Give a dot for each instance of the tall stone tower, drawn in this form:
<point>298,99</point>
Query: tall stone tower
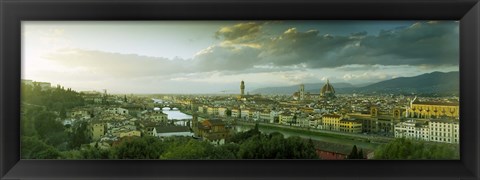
<point>302,92</point>
<point>242,88</point>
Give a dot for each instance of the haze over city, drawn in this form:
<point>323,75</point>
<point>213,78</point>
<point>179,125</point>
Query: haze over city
<point>214,56</point>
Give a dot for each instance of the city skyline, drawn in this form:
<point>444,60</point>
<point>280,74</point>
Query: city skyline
<point>214,56</point>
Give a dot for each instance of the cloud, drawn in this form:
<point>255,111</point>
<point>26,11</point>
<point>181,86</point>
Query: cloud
<point>226,58</point>
<point>433,44</point>
<point>249,48</point>
<point>294,47</point>
<point>116,64</point>
<point>245,46</point>
<point>239,33</point>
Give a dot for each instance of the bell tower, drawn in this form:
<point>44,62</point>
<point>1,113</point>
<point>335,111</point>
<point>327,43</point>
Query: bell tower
<point>302,92</point>
<point>242,88</point>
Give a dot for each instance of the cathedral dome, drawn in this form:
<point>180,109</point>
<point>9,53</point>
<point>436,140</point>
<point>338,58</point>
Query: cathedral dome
<point>327,90</point>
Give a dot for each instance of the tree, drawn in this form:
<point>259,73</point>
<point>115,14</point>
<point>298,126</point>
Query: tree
<point>243,136</point>
<point>49,129</point>
<point>402,148</point>
<point>90,152</point>
<point>146,147</point>
<point>354,153</point>
<point>192,149</point>
<point>275,146</point>
<point>35,148</point>
<point>27,120</point>
<point>256,128</point>
<point>226,151</point>
<point>79,135</point>
<point>360,154</point>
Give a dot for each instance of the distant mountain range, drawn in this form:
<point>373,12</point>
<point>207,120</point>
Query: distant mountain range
<point>430,83</point>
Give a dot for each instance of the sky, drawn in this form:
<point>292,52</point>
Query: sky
<point>214,56</point>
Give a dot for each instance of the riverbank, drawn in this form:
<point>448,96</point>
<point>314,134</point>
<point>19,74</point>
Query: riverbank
<point>365,142</point>
<point>330,140</point>
<point>318,132</point>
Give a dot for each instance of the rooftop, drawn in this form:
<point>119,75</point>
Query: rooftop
<point>332,115</point>
<point>436,103</point>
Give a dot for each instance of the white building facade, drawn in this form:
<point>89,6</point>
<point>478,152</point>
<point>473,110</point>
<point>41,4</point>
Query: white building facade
<point>446,131</point>
<point>412,130</point>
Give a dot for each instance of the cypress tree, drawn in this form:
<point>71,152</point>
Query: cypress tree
<point>354,153</point>
<point>360,154</point>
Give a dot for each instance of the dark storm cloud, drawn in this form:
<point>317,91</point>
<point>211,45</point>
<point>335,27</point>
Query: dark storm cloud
<point>432,43</point>
<point>293,47</point>
<point>423,44</point>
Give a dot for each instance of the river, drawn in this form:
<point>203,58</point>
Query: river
<point>176,114</point>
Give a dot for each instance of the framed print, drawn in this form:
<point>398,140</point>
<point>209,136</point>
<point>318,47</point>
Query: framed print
<point>239,89</point>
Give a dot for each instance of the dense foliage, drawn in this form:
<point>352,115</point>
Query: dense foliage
<point>56,99</point>
<point>78,135</point>
<point>259,146</point>
<point>43,135</point>
<point>412,149</point>
<point>35,148</point>
<point>275,146</point>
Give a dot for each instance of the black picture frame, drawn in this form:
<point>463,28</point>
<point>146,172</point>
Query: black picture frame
<point>12,12</point>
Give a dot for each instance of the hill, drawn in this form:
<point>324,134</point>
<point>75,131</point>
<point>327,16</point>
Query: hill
<point>435,83</point>
<point>310,87</point>
<point>429,83</point>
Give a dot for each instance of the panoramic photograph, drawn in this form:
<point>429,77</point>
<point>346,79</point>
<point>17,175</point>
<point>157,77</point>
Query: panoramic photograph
<point>221,90</point>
